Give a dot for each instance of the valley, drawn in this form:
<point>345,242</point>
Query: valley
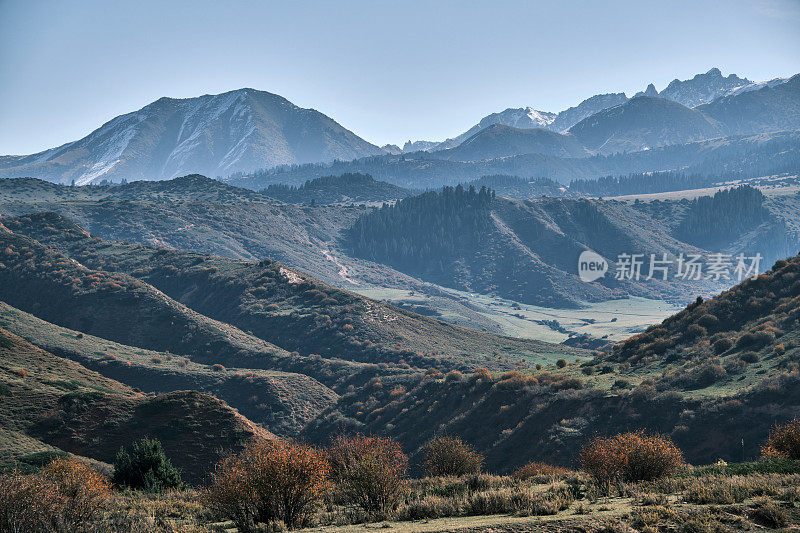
<point>583,320</point>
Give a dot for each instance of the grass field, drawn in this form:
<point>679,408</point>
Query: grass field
<point>616,319</point>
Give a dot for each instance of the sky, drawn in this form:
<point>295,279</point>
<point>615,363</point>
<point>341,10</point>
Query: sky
<point>388,70</point>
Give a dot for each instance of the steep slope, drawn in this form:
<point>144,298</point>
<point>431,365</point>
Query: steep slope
<point>571,116</point>
<point>703,88</point>
<point>522,118</point>
<point>215,135</point>
<point>765,110</point>
<point>292,310</point>
<point>642,123</point>
<point>47,399</point>
<point>500,140</point>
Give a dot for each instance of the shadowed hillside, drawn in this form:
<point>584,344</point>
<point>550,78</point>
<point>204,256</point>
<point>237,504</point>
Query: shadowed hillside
<point>53,401</point>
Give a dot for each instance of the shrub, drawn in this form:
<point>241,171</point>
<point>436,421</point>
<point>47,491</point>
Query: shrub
<point>146,467</point>
<point>64,496</point>
<point>450,456</point>
<point>561,363</point>
<point>783,441</point>
<point>431,506</point>
<point>722,345</point>
<point>368,471</point>
<point>630,457</point>
<point>771,515</point>
<point>535,469</point>
<point>268,481</point>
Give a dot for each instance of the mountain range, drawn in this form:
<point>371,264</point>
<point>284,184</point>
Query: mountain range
<point>239,132</point>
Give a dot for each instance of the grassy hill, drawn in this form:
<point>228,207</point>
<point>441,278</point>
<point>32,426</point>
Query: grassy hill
<point>282,402</point>
<point>50,404</point>
<point>288,309</point>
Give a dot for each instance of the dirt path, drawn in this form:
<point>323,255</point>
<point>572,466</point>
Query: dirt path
<point>344,273</point>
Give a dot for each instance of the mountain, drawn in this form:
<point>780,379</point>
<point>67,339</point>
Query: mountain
<point>522,117</point>
<point>743,156</point>
<point>569,117</point>
<point>642,123</point>
<point>344,189</point>
<point>215,135</point>
<point>417,146</point>
<point>499,140</point>
<point>767,109</point>
<point>703,88</point>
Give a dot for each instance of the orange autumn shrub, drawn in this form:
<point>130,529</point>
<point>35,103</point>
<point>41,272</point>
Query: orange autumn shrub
<point>64,496</point>
<point>269,481</point>
<point>632,456</point>
<point>783,441</point>
<point>450,456</point>
<point>537,469</point>
<point>369,472</point>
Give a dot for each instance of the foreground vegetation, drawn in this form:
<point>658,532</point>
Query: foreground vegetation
<point>631,480</point>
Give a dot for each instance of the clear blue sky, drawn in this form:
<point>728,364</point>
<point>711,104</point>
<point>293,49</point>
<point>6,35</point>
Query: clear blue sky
<point>390,71</point>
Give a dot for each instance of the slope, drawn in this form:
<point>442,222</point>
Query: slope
<point>47,399</point>
<point>290,309</point>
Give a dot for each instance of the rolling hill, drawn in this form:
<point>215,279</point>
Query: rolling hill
<point>54,405</point>
<point>213,135</point>
<point>278,306</point>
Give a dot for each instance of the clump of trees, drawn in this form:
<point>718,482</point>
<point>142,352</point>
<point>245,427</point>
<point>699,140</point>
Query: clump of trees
<point>783,441</point>
<point>145,467</point>
<point>429,229</point>
<point>269,481</point>
<point>714,220</point>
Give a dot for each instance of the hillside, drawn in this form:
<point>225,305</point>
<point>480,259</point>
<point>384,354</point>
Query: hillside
<point>214,135</point>
<point>283,307</point>
<point>344,189</point>
<point>526,251</point>
<point>503,141</point>
<point>642,123</point>
<point>280,401</point>
<point>715,377</point>
<point>52,404</point>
